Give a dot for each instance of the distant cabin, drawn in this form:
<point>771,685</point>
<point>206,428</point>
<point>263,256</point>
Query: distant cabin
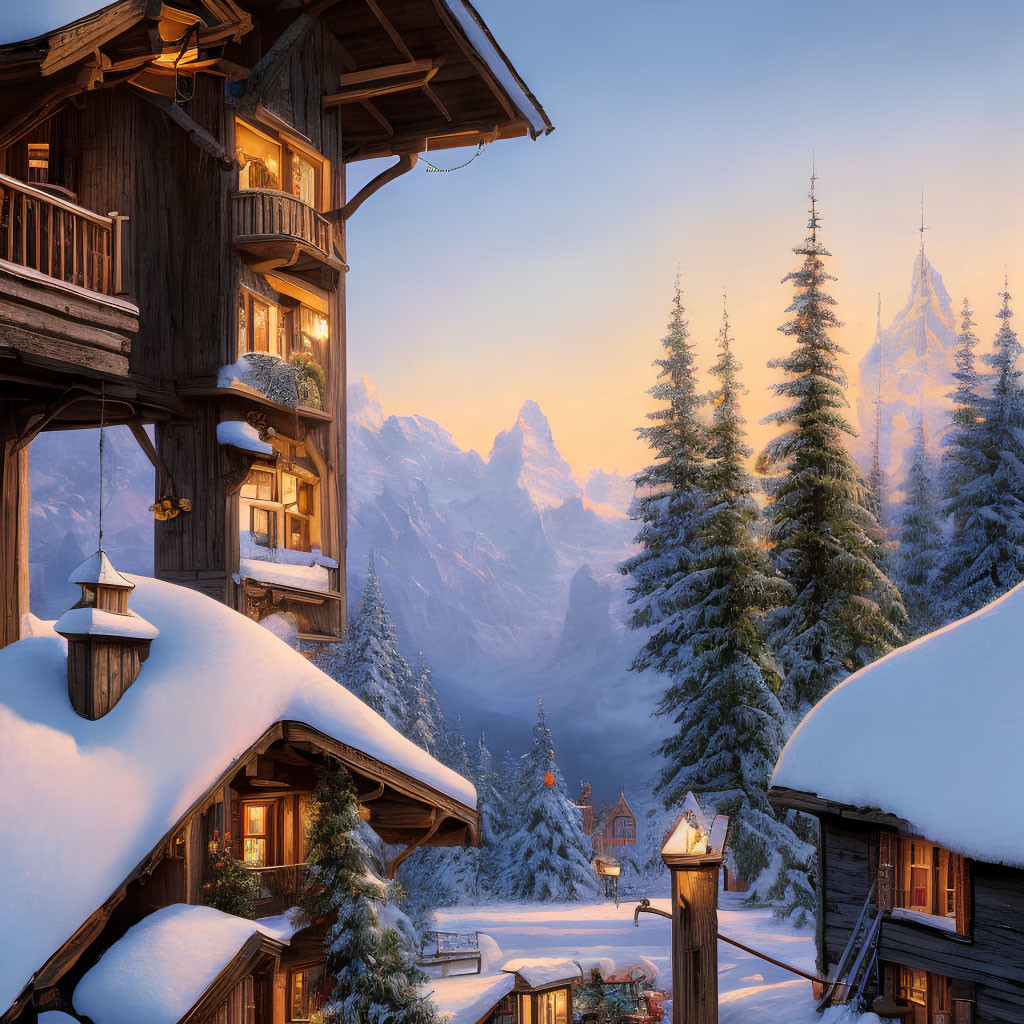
<point>912,768</point>
<point>617,829</point>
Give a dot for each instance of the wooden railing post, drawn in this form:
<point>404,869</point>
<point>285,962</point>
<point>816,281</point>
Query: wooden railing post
<point>116,284</point>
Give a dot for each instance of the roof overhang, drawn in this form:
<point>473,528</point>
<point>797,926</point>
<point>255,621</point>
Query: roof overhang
<point>402,810</point>
<point>811,803</point>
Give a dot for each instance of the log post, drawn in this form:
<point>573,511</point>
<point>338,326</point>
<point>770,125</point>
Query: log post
<point>694,865</point>
<point>14,502</point>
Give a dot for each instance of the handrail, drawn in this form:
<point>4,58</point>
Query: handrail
<point>264,212</point>
<point>60,239</point>
<point>52,200</point>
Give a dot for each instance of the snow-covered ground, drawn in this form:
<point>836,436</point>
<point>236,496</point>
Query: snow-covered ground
<point>749,988</point>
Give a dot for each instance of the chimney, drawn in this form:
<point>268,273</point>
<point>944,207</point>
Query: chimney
<point>107,643</point>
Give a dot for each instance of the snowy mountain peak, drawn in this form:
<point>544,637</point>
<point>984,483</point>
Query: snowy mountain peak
<point>909,368</point>
<point>364,408</point>
<point>526,456</point>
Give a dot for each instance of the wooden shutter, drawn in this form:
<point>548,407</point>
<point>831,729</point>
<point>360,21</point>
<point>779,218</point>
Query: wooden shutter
<point>886,878</point>
<point>962,875</point>
<point>963,1002</point>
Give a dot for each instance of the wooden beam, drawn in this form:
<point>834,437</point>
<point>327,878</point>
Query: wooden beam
<point>780,796</point>
<point>197,133</point>
<point>390,30</point>
<point>369,90</point>
<point>413,847</point>
<point>408,67</point>
<point>406,162</point>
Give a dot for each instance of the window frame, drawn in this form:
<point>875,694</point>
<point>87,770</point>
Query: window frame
<point>303,972</point>
<point>306,509</point>
<point>290,152</point>
<point>267,835</point>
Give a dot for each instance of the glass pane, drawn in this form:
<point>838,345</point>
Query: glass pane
<point>298,1004</point>
<point>259,159</point>
<point>243,336</point>
<point>306,499</point>
<point>298,534</point>
<point>315,331</point>
<point>261,527</point>
<point>289,488</point>
<point>260,326</point>
<point>255,852</point>
<point>255,820</point>
<point>560,1013</point>
<point>265,485</point>
<point>304,175</point>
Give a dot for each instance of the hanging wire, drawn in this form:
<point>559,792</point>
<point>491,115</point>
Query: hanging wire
<point>432,169</point>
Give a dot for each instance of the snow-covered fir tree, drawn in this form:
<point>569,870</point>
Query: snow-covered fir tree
<point>549,853</point>
<point>918,557</point>
<point>374,978</point>
<point>987,558</point>
<point>428,727</point>
<point>370,663</point>
<point>669,493</point>
<point>963,459</point>
<point>493,824</point>
<point>844,611</point>
<point>728,723</point>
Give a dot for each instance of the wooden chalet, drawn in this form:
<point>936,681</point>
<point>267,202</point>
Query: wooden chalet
<point>217,741</point>
<point>912,769</point>
<point>536,991</point>
<point>173,210</point>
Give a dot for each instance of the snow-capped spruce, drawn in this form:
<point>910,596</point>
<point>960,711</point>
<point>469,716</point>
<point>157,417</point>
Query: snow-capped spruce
<point>374,981</point>
<point>549,850</point>
<point>987,556</point>
<point>845,611</point>
<point>920,543</point>
<point>370,663</point>
<point>669,494</point>
<point>729,725</point>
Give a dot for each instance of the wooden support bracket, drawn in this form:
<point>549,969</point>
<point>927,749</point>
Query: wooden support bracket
<point>406,162</point>
<point>436,817</point>
<point>196,132</point>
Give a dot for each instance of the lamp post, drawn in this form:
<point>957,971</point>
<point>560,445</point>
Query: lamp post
<point>694,857</point>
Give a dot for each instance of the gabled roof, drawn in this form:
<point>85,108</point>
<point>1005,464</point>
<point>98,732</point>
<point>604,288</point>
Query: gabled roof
<point>927,739</point>
<point>162,967</point>
<point>87,802</point>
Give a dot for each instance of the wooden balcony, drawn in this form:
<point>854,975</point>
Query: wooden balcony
<point>280,887</point>
<point>275,231</point>
<point>60,279</point>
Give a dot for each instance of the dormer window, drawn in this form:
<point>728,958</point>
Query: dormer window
<point>256,847</point>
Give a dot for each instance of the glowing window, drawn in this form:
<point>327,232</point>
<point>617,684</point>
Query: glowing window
<point>309,990</point>
<point>258,157</point>
<point>305,178</point>
<point>913,985</point>
<point>256,837</point>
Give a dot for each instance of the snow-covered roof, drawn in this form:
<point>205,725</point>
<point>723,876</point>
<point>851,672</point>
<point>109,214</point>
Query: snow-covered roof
<point>85,802</point>
<point>158,970</point>
<point>540,971</point>
<point>96,622</point>
<point>499,65</point>
<point>932,734</point>
<point>97,569</point>
<point>468,997</point>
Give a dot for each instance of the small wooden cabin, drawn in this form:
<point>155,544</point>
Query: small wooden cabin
<point>535,991</point>
<point>218,741</point>
<point>173,210</point>
<point>912,769</point>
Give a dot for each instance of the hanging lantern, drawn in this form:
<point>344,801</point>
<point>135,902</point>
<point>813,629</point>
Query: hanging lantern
<point>549,779</point>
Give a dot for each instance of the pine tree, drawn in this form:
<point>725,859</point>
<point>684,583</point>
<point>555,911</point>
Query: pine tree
<point>549,852</point>
<point>722,700</point>
<point>989,558</point>
<point>920,543</point>
<point>428,727</point>
<point>374,982</point>
<point>669,494</point>
<point>370,663</point>
<point>845,611</point>
<point>962,456</point>
<point>493,824</point>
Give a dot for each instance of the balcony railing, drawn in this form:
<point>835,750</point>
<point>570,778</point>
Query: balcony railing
<point>58,238</point>
<point>265,213</point>
<point>280,886</point>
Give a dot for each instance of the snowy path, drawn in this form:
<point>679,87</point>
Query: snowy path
<point>748,987</point>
